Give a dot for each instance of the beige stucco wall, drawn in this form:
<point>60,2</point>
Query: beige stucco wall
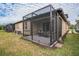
<point>35,28</point>
<point>19,27</point>
<point>27,31</point>
<point>64,27</point>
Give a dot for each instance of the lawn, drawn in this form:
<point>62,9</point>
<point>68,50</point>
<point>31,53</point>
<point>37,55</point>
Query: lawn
<point>12,44</point>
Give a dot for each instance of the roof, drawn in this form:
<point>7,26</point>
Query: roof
<point>40,12</point>
<point>61,13</point>
<point>18,22</point>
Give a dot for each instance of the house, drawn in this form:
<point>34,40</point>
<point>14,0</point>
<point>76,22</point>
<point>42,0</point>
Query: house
<point>47,26</point>
<point>9,28</point>
<point>77,26</point>
<point>19,27</point>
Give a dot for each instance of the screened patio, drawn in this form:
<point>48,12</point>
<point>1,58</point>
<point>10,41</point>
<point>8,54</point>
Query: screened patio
<point>43,26</point>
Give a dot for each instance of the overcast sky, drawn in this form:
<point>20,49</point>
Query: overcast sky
<point>11,12</point>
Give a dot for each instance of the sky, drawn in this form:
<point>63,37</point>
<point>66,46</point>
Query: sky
<point>13,12</point>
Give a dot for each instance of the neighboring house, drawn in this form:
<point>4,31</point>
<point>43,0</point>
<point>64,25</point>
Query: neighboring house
<point>9,28</point>
<point>47,26</point>
<point>19,27</point>
<point>77,26</point>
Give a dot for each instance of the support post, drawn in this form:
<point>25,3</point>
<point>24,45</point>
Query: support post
<point>50,25</point>
<point>58,25</point>
<point>55,25</point>
<point>23,26</point>
<point>31,28</point>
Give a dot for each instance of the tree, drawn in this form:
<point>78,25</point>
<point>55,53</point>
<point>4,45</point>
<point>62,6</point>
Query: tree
<point>1,27</point>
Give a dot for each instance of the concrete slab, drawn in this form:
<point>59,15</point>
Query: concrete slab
<point>39,39</point>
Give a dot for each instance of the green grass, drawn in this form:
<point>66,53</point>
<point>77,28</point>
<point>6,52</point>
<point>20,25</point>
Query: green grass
<point>12,44</point>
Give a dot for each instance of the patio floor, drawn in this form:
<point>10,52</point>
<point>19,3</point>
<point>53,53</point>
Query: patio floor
<point>39,39</point>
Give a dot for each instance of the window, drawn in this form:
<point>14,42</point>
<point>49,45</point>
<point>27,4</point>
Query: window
<point>46,26</point>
